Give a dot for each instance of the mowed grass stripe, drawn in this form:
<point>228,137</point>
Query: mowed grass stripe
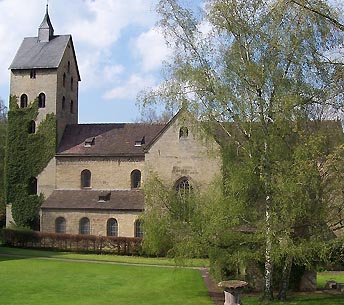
<point>36,282</point>
<point>107,258</point>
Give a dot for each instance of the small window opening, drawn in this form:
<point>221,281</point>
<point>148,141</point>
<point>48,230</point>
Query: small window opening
<point>32,186</point>
<point>103,197</point>
<point>138,228</point>
<point>85,178</point>
<point>71,83</point>
<point>32,127</point>
<point>112,227</point>
<point>63,103</point>
<point>64,80</point>
<point>41,100</point>
<point>135,179</point>
<point>140,142</point>
<point>71,106</point>
<point>84,226</point>
<point>68,68</point>
<point>23,101</point>
<point>60,225</point>
<point>33,73</point>
<point>89,142</point>
<point>183,132</point>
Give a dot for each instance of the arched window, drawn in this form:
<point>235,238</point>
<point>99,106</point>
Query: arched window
<point>23,101</point>
<point>84,226</point>
<point>68,68</point>
<point>64,80</point>
<point>41,100</point>
<point>85,178</point>
<point>112,227</point>
<point>71,83</point>
<point>138,228</point>
<point>183,187</point>
<point>183,132</point>
<point>60,225</point>
<point>135,179</point>
<point>32,186</point>
<point>32,127</point>
<point>71,106</point>
<point>63,103</point>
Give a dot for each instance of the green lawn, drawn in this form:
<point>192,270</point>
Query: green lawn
<point>27,281</point>
<point>322,277</point>
<point>312,299</point>
<point>33,281</point>
<point>108,258</point>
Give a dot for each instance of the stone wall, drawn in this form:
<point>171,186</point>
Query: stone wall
<point>98,220</point>
<point>107,173</point>
<point>45,82</point>
<point>66,116</point>
<point>194,156</point>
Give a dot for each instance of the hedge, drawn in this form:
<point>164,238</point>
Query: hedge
<point>72,242</point>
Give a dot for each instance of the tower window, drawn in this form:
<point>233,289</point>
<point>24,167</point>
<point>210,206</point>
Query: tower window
<point>63,103</point>
<point>23,101</point>
<point>33,73</point>
<point>64,80</point>
<point>84,226</point>
<point>32,187</point>
<point>60,225</point>
<point>32,127</point>
<point>71,106</point>
<point>135,179</point>
<point>41,100</point>
<point>71,83</point>
<point>112,227</point>
<point>85,178</point>
<point>68,69</point>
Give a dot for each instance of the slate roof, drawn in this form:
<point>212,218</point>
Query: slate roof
<point>126,200</point>
<point>108,139</point>
<point>33,54</point>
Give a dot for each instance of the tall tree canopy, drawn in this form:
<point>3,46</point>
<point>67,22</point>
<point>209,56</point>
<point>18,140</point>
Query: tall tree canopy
<point>3,132</point>
<point>267,73</point>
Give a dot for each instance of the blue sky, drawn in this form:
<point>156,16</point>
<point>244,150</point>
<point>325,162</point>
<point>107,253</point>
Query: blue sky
<point>119,50</point>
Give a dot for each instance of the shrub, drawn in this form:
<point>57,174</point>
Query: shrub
<point>72,242</point>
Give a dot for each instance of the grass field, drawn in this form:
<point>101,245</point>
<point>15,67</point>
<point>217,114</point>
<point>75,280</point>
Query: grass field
<point>107,258</point>
<point>33,281</point>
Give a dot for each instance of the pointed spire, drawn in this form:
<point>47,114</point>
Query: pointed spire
<point>45,30</point>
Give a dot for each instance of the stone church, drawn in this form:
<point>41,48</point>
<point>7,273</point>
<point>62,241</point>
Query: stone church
<point>94,184</point>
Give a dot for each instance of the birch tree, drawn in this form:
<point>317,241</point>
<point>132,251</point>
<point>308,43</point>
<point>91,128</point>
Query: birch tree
<point>266,68</point>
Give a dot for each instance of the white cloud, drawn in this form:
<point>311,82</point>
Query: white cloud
<point>102,21</point>
<point>15,24</point>
<point>129,89</point>
<point>152,49</point>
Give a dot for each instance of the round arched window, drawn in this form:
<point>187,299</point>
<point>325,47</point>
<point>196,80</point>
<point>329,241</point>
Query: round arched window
<point>112,227</point>
<point>41,100</point>
<point>60,225</point>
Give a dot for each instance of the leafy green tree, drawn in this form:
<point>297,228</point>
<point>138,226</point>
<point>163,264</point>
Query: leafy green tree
<point>3,131</point>
<point>266,74</point>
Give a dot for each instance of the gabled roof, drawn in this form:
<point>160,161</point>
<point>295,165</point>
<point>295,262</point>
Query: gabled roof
<point>124,139</point>
<point>33,54</point>
<point>126,200</point>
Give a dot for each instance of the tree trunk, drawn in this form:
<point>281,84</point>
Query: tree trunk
<point>268,292</point>
<point>284,284</point>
